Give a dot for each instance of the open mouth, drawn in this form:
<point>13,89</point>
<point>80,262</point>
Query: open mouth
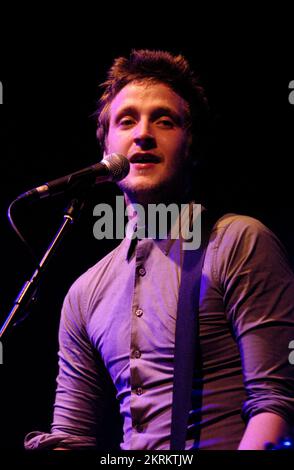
<point>144,158</point>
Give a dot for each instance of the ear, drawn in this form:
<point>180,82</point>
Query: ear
<point>105,146</point>
<point>99,136</point>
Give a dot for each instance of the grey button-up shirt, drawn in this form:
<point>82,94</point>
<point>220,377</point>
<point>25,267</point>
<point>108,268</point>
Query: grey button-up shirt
<point>122,312</point>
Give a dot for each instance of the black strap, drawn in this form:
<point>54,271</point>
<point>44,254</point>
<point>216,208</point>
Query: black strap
<point>186,338</point>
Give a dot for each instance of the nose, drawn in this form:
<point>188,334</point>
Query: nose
<point>143,136</point>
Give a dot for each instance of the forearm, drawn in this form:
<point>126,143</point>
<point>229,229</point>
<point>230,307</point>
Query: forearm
<point>262,428</point>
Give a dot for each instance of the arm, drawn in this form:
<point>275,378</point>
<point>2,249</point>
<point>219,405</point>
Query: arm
<point>80,393</point>
<point>263,428</point>
<point>258,287</point>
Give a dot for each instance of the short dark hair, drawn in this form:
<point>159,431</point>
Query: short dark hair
<point>154,66</point>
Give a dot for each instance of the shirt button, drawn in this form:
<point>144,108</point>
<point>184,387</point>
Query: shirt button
<point>139,312</point>
<point>137,354</point>
<point>142,271</point>
<point>139,390</point>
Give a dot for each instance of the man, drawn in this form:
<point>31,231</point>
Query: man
<point>120,316</point>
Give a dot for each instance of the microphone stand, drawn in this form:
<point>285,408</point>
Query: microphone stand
<point>28,290</point>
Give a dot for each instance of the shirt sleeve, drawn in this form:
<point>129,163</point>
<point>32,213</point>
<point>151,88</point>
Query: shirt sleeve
<point>82,385</point>
<point>258,291</point>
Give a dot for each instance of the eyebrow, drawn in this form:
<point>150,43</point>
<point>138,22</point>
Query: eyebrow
<point>156,113</point>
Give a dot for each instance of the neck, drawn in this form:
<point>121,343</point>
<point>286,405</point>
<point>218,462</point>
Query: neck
<point>138,211</point>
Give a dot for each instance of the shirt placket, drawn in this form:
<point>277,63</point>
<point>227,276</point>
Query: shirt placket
<point>136,346</point>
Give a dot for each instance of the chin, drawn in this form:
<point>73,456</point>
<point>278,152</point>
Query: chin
<point>147,191</point>
<point>135,191</point>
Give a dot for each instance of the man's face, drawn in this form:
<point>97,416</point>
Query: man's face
<point>147,125</point>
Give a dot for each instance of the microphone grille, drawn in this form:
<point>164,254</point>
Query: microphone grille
<point>118,166</point>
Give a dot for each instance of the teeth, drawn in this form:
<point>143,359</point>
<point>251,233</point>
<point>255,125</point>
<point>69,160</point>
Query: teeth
<point>144,159</point>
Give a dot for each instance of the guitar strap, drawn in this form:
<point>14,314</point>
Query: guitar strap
<point>186,337</point>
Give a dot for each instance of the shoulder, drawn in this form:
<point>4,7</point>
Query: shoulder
<point>235,230</point>
<point>236,224</point>
<point>243,242</point>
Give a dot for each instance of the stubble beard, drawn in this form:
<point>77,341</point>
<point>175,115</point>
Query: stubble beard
<point>166,192</point>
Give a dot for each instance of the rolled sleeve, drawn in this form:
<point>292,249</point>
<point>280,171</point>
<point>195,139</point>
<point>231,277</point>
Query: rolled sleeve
<point>38,440</point>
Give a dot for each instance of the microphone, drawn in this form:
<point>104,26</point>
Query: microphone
<point>113,167</point>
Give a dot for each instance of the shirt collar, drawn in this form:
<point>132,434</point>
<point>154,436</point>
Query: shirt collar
<point>165,244</point>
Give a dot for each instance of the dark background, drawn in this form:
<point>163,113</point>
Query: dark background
<point>50,69</point>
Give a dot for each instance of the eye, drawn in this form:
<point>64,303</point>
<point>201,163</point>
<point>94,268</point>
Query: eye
<point>126,122</point>
<point>165,122</point>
